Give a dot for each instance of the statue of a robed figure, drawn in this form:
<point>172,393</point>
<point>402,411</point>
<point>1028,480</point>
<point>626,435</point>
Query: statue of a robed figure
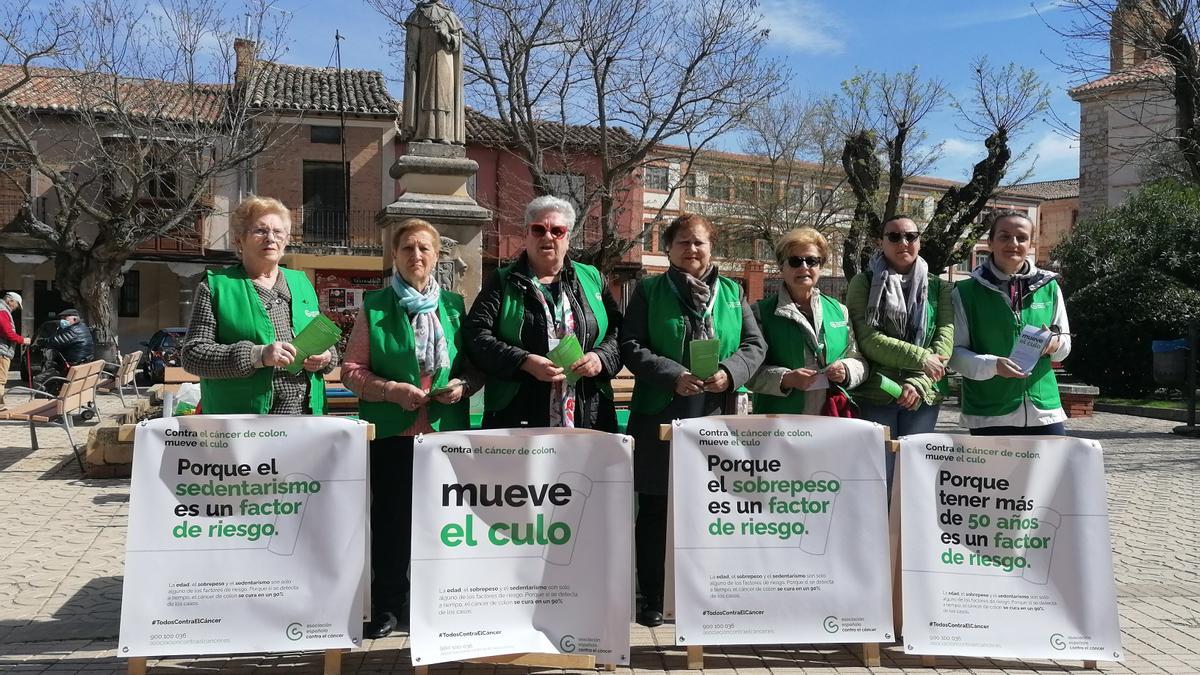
<point>433,80</point>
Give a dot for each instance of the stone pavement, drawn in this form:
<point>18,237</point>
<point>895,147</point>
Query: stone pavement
<point>62,546</point>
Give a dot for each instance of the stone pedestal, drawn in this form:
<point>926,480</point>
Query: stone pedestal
<point>433,180</point>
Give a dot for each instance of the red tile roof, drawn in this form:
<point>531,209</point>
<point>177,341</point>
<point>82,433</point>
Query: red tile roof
<point>1143,72</point>
<point>61,90</point>
<point>278,86</point>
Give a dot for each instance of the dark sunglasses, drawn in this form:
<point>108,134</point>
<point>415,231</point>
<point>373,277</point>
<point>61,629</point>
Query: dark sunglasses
<point>804,261</point>
<point>556,231</point>
<point>895,237</point>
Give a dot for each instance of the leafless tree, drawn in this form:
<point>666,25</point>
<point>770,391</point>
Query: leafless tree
<point>1152,44</point>
<point>141,119</point>
<point>790,175</point>
<point>639,72</point>
<point>877,107</point>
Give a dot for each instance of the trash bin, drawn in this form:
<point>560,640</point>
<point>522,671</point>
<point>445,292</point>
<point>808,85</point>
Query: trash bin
<point>1170,361</point>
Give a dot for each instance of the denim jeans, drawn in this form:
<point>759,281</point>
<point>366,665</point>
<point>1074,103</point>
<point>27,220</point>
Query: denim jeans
<point>902,422</point>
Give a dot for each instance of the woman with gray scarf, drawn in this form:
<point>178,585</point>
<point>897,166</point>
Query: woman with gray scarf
<point>666,312</point>
<point>904,320</point>
<point>405,362</point>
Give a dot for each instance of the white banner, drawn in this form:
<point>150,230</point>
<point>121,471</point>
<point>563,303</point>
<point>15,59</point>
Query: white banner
<point>522,542</point>
<point>1006,549</point>
<point>780,531</point>
<point>246,534</point>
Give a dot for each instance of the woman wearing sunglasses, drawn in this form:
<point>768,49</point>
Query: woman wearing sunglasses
<point>690,311</point>
<point>904,320</point>
<point>812,357</point>
<point>1003,297</point>
<point>525,310</point>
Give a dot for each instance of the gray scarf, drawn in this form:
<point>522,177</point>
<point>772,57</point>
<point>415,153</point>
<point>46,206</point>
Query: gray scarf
<point>889,309</point>
<point>697,294</point>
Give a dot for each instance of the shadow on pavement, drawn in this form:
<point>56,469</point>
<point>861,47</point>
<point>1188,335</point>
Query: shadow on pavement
<point>93,613</point>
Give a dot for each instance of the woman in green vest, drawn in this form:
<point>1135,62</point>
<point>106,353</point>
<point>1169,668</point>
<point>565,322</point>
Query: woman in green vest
<point>666,314</point>
<point>405,362</point>
<point>1003,297</point>
<point>525,310</point>
<point>244,319</point>
<point>904,321</point>
<point>812,357</point>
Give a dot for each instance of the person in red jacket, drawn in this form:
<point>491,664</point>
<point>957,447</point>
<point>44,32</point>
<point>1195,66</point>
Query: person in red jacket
<point>9,337</point>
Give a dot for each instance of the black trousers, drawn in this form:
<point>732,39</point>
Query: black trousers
<point>650,537</point>
<point>391,522</point>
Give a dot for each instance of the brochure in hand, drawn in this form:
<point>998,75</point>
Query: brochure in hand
<point>704,357</point>
<point>320,334</point>
<point>1029,347</point>
<point>565,354</point>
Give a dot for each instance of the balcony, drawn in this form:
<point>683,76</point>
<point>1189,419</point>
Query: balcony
<point>326,230</point>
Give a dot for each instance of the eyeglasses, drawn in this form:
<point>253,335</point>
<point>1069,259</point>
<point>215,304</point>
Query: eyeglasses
<point>540,230</point>
<point>264,233</point>
<point>895,237</point>
<point>804,261</point>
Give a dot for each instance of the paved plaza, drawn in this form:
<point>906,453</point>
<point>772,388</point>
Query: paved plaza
<point>62,545</point>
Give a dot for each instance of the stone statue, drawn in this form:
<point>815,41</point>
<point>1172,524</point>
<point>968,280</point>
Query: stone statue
<point>433,81</point>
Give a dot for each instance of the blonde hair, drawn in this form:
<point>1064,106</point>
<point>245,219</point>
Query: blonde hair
<point>801,236</point>
<point>414,225</point>
<point>253,208</point>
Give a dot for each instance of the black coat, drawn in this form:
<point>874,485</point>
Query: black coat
<point>74,343</point>
<point>498,359</point>
<point>651,456</point>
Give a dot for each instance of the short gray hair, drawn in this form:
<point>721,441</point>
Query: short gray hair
<point>550,203</point>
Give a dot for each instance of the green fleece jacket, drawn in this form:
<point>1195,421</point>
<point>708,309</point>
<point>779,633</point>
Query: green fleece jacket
<point>901,361</point>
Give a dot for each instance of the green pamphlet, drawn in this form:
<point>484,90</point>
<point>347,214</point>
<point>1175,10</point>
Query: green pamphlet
<point>704,357</point>
<point>889,385</point>
<point>320,334</point>
<point>565,355</point>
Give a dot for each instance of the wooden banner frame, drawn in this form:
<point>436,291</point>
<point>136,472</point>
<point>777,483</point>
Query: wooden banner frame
<point>331,658</point>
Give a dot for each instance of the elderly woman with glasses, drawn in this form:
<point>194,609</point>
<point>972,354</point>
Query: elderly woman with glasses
<point>812,357</point>
<point>904,320</point>
<point>522,314</point>
<point>670,319</point>
<point>244,319</point>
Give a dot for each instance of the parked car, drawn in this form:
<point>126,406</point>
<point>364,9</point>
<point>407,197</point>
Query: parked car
<point>160,351</point>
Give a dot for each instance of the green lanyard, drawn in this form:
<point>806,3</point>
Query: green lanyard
<point>558,313</point>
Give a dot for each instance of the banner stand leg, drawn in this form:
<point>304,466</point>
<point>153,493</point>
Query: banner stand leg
<point>695,657</point>
<point>1090,665</point>
<point>137,665</point>
<point>929,660</point>
<point>868,653</point>
<point>333,662</point>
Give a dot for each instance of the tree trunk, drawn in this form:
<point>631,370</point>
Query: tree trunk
<point>863,174</point>
<point>88,283</point>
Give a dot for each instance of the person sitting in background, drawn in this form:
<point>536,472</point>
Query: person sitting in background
<point>73,339</point>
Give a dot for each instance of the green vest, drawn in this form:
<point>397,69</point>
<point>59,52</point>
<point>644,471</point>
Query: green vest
<point>499,393</point>
<point>788,346</point>
<point>871,391</point>
<point>241,316</point>
<point>994,330</point>
<point>668,327</point>
<point>393,357</point>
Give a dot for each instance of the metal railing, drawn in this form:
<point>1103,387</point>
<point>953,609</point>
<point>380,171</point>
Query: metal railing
<point>325,228</point>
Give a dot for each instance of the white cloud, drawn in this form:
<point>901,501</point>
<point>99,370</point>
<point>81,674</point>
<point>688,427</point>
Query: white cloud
<point>804,26</point>
<point>989,16</point>
<point>957,148</point>
<point>1056,154</point>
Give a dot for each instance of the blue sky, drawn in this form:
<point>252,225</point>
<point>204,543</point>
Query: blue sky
<point>822,41</point>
